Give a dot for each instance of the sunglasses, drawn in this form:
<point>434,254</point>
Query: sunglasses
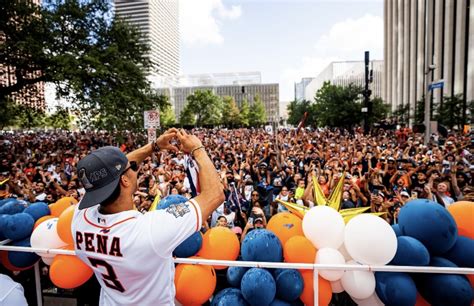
<point>133,165</point>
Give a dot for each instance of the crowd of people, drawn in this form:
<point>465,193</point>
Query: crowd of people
<point>383,170</point>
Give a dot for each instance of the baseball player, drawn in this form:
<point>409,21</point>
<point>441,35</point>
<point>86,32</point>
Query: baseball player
<point>131,253</point>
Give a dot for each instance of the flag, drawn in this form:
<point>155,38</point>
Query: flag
<point>192,173</point>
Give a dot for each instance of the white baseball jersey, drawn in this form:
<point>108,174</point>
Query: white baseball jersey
<point>131,253</point>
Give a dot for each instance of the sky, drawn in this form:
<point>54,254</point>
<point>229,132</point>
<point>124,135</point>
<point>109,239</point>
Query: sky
<point>285,40</point>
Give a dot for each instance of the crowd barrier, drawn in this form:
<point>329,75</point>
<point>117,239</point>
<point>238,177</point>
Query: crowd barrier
<point>252,264</point>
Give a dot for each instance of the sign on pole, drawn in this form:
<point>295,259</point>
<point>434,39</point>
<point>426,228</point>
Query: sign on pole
<point>151,133</point>
<point>434,85</point>
<point>151,119</point>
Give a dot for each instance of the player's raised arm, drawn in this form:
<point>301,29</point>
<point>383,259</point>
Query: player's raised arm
<point>212,191</point>
<point>162,143</point>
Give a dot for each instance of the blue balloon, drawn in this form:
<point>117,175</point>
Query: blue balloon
<point>38,210</point>
<point>235,274</point>
<point>289,284</point>
<point>462,253</point>
<point>444,289</point>
<point>430,223</point>
<point>229,296</point>
<point>189,247</point>
<point>13,207</point>
<point>18,226</point>
<point>261,245</point>
<point>172,199</point>
<point>277,302</point>
<point>3,219</point>
<point>397,230</point>
<point>22,259</point>
<point>5,201</point>
<point>258,287</point>
<point>395,288</point>
<point>410,252</point>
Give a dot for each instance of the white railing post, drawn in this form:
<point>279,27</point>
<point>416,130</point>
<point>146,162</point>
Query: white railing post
<point>316,286</point>
<point>39,293</point>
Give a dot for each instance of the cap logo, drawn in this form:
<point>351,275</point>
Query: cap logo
<point>85,181</point>
<point>97,175</point>
<point>118,167</point>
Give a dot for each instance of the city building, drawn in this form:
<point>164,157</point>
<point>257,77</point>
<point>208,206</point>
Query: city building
<point>345,73</point>
<point>240,86</point>
<point>442,28</point>
<point>300,88</point>
<point>33,95</point>
<point>158,21</point>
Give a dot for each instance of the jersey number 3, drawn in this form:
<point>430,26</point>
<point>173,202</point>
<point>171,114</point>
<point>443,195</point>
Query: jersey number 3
<point>109,277</point>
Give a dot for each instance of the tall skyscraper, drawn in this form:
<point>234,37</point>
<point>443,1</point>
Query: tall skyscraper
<point>409,25</point>
<point>158,20</point>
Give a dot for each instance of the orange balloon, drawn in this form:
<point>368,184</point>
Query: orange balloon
<point>64,225</point>
<point>420,301</point>
<point>42,219</point>
<point>324,289</point>
<point>68,271</point>
<point>299,249</point>
<point>220,243</point>
<point>471,279</point>
<point>285,225</point>
<point>61,205</point>
<point>194,283</point>
<point>463,214</point>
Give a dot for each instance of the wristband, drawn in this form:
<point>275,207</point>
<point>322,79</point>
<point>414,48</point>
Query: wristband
<point>195,149</point>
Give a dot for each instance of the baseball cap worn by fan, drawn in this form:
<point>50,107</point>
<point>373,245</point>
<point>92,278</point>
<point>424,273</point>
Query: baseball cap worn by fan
<point>100,173</point>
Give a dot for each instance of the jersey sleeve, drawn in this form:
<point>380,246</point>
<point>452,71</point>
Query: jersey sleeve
<point>171,226</point>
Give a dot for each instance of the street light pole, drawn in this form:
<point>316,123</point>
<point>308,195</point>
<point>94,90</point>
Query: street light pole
<point>367,92</point>
<point>429,70</point>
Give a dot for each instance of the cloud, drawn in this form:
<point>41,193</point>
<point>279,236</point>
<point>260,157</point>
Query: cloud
<point>346,40</point>
<point>200,21</point>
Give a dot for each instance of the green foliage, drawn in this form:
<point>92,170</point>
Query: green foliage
<point>402,113</point>
<point>205,106</point>
<point>187,117</point>
<point>296,110</point>
<point>8,114</point>
<point>230,112</point>
<point>60,119</point>
<point>337,106</point>
<point>245,113</point>
<point>419,117</point>
<point>379,110</point>
<point>26,117</point>
<point>96,60</point>
<point>452,112</point>
<point>167,117</point>
<point>257,115</point>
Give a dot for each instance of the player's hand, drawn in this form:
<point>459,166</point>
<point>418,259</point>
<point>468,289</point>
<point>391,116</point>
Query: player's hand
<point>164,141</point>
<point>188,141</point>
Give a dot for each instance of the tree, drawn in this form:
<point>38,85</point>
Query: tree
<point>60,119</point>
<point>206,106</point>
<point>167,117</point>
<point>187,117</point>
<point>296,110</point>
<point>337,106</point>
<point>451,112</point>
<point>419,117</point>
<point>230,112</point>
<point>379,110</point>
<point>257,115</point>
<point>244,113</point>
<point>27,117</point>
<point>402,114</point>
<point>95,60</point>
<point>8,114</point>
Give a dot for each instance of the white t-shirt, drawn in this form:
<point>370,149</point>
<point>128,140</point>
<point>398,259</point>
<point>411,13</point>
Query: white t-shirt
<point>131,253</point>
<point>11,292</point>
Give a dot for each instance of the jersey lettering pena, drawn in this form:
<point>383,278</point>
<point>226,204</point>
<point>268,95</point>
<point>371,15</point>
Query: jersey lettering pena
<point>131,253</point>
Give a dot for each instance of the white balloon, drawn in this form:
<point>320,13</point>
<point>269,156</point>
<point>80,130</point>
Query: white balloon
<point>337,287</point>
<point>47,260</point>
<point>46,236</point>
<point>344,252</point>
<point>358,284</point>
<point>372,300</point>
<point>330,256</point>
<point>324,227</point>
<point>370,240</point>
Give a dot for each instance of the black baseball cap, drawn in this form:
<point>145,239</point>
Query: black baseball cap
<point>100,173</point>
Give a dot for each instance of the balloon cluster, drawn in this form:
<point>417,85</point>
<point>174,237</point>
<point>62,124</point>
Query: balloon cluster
<point>195,284</point>
<point>430,235</point>
<point>39,225</point>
